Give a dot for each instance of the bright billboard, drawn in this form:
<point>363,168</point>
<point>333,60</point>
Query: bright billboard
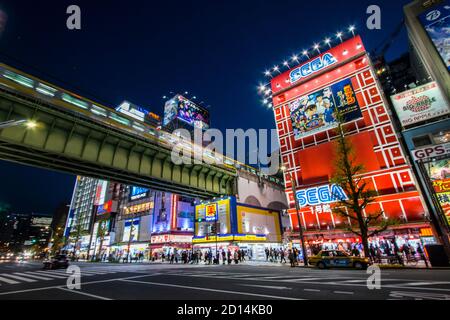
<point>436,22</point>
<point>187,111</point>
<point>439,172</point>
<point>137,193</point>
<point>316,112</point>
<point>419,104</point>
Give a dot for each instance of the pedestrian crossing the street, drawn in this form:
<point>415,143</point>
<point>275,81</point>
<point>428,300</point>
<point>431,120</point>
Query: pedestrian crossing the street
<point>46,275</point>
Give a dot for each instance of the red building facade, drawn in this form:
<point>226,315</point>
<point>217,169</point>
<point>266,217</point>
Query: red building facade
<point>307,142</point>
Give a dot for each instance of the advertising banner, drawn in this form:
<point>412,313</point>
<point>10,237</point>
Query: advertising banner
<point>316,112</point>
<point>419,104</point>
<point>436,23</point>
<point>211,212</point>
<point>127,232</point>
<point>439,172</point>
<point>137,193</point>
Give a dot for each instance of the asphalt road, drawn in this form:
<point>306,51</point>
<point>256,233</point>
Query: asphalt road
<point>230,282</point>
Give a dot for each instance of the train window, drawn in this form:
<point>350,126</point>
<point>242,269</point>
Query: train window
<point>119,119</point>
<point>138,127</point>
<point>44,89</point>
<point>98,111</point>
<point>27,82</point>
<point>74,101</point>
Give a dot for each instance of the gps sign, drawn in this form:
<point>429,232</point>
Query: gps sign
<point>431,152</point>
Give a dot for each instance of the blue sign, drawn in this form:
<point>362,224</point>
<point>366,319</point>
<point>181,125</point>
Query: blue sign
<point>311,67</point>
<point>137,193</point>
<point>320,195</point>
<point>436,22</point>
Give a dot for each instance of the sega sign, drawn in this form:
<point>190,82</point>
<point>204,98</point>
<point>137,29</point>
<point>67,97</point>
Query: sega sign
<point>311,67</point>
<point>320,195</point>
<point>431,152</point>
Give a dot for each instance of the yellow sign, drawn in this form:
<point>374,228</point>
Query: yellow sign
<point>139,207</point>
<point>426,232</point>
<point>211,210</point>
<point>247,237</point>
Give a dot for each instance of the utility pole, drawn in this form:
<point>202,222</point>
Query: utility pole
<point>129,238</point>
<point>297,209</point>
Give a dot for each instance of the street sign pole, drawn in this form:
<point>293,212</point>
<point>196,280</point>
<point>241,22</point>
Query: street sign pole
<point>297,209</point>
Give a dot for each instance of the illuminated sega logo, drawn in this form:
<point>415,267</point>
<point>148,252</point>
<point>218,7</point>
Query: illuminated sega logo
<point>320,195</point>
<point>311,67</point>
<point>433,15</point>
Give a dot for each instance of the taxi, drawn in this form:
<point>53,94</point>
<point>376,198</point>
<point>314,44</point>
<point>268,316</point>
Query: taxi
<point>337,259</point>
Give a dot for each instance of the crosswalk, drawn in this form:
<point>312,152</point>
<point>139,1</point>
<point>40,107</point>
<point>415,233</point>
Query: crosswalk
<point>332,278</point>
<point>34,276</point>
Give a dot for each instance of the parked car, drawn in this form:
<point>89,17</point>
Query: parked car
<point>57,262</point>
<point>338,259</point>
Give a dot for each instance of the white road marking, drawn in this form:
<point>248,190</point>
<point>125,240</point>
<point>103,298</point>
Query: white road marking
<point>50,274</point>
<point>419,295</point>
<point>32,276</point>
<point>63,286</point>
<point>343,292</point>
<point>18,278</point>
<point>85,294</point>
<point>425,283</point>
<point>267,287</point>
<point>213,290</point>
<point>9,281</point>
<point>312,290</point>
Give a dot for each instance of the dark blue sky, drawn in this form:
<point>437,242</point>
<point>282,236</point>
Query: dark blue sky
<point>142,50</point>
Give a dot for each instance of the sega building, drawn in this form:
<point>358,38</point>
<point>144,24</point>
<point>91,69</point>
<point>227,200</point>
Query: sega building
<point>227,225</point>
<point>304,100</point>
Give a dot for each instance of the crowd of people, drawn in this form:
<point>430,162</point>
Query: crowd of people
<point>379,252</point>
<point>197,256</point>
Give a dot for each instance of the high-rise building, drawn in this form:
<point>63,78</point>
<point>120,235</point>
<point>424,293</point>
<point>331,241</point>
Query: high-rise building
<point>81,214</point>
<point>424,111</point>
<point>305,98</point>
<point>428,25</point>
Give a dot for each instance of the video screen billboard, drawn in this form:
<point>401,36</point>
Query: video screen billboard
<point>181,108</point>
<point>436,22</point>
<point>315,112</point>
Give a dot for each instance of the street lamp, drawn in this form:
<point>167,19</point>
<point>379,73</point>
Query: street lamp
<point>297,209</point>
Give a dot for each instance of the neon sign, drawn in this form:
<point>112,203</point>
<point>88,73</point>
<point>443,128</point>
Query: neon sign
<point>311,67</point>
<point>320,195</point>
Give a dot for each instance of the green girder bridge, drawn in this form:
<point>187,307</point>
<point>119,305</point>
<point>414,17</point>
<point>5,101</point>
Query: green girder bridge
<point>75,143</point>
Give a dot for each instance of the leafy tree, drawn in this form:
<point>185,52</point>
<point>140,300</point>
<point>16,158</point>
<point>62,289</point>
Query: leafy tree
<point>349,176</point>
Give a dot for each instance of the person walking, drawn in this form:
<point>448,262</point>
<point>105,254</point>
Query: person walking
<point>282,258</point>
<point>291,258</point>
<point>224,256</point>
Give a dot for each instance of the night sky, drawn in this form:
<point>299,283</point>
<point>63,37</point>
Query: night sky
<point>142,50</point>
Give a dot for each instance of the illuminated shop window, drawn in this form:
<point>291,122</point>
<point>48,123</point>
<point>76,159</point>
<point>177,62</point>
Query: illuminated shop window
<point>441,137</point>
